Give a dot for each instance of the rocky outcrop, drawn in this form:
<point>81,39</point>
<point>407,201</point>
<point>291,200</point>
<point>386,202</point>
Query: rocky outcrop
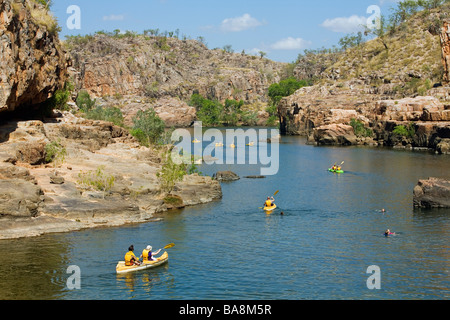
<point>173,111</point>
<point>432,193</point>
<point>324,113</point>
<point>311,107</point>
<point>226,176</point>
<point>33,64</point>
<point>335,134</point>
<point>445,44</point>
<point>104,179</point>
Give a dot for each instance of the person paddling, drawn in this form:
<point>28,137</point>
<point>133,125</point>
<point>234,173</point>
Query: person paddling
<point>269,202</point>
<point>147,254</point>
<point>130,258</point>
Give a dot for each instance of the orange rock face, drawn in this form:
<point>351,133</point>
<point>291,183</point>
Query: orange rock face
<point>445,43</point>
<point>33,64</point>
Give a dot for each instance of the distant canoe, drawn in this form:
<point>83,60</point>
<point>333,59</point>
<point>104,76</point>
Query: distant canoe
<point>122,268</point>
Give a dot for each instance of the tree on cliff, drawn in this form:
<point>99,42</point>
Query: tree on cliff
<point>285,88</point>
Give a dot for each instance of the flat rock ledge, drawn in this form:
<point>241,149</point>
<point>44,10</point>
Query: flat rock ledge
<point>39,198</point>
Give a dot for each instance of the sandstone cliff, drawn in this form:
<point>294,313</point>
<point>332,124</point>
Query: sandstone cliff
<point>33,64</point>
<point>156,71</point>
<point>445,44</point>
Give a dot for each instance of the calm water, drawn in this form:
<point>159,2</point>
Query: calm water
<point>330,233</point>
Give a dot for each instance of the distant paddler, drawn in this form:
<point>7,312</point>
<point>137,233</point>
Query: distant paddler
<point>388,233</point>
<point>269,202</point>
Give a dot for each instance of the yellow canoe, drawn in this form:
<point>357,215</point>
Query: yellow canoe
<point>270,209</point>
<point>122,268</point>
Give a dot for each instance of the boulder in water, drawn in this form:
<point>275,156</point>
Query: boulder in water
<point>432,193</point>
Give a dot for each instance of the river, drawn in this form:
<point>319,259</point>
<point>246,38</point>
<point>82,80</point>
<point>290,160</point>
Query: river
<point>320,248</point>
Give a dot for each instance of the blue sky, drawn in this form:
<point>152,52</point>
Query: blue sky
<point>282,28</point>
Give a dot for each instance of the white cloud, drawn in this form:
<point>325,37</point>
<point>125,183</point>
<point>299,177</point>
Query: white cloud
<point>240,23</point>
<point>345,24</point>
<point>114,17</point>
<point>290,44</point>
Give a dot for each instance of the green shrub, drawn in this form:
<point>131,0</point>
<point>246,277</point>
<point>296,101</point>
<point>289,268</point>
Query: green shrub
<point>148,128</point>
<point>272,110</point>
<point>285,88</point>
<point>84,101</point>
<point>170,173</point>
<point>110,114</point>
<point>96,180</point>
<point>55,152</point>
<point>359,128</point>
<point>408,131</point>
<point>209,112</point>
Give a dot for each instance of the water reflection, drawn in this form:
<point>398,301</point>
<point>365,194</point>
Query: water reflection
<point>331,231</point>
<point>33,268</point>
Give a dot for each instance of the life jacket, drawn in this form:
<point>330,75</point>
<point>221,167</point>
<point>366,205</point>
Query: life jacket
<point>128,257</point>
<point>268,203</point>
<point>146,255</point>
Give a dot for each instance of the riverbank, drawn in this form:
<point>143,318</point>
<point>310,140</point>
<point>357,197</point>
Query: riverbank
<point>100,177</point>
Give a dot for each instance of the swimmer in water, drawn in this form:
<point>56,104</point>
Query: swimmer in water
<point>388,233</point>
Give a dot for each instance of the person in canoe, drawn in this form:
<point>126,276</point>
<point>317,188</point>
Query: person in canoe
<point>388,233</point>
<point>130,258</point>
<point>147,254</point>
<point>269,202</point>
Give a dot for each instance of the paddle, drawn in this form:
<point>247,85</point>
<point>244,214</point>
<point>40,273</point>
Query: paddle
<point>170,245</point>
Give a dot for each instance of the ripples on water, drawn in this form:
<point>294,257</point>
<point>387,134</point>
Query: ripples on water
<point>331,231</point>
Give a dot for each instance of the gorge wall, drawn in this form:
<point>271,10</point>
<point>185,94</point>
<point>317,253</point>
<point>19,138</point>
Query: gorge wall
<point>153,71</point>
<point>445,44</point>
<point>33,64</point>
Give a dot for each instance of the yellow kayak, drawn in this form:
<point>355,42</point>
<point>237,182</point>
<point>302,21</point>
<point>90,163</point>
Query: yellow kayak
<point>270,209</point>
<point>122,268</point>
